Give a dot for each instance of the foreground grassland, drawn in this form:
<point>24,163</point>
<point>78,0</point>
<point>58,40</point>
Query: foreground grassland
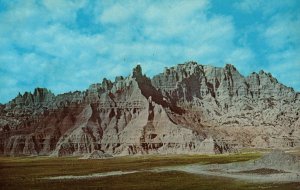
<point>27,173</point>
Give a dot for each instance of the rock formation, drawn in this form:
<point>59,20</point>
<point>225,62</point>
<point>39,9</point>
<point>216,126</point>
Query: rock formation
<point>189,108</point>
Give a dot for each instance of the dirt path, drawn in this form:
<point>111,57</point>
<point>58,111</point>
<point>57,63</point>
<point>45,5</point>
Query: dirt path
<point>252,177</point>
<point>276,167</point>
<point>95,175</point>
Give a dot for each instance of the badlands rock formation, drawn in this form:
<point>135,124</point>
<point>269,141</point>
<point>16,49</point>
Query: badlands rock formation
<point>189,108</point>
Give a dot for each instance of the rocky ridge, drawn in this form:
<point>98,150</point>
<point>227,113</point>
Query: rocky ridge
<point>189,108</point>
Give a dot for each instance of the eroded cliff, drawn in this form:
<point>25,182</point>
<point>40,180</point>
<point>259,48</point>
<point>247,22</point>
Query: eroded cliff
<point>189,108</point>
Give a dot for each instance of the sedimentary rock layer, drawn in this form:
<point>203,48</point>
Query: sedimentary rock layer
<point>189,108</point>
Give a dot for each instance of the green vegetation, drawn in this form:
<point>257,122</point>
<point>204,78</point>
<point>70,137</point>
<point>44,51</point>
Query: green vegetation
<point>27,173</point>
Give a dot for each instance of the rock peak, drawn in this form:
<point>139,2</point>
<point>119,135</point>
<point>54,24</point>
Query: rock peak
<point>191,63</point>
<point>40,91</point>
<point>106,84</point>
<point>261,72</point>
<point>230,67</point>
<point>137,72</point>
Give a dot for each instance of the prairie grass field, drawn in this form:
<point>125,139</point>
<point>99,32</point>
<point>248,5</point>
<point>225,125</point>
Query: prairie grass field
<point>31,173</point>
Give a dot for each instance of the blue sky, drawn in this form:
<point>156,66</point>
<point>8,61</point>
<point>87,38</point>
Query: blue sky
<point>67,45</point>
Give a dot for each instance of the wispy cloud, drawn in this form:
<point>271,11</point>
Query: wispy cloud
<point>263,6</point>
<point>284,30</point>
<point>282,37</point>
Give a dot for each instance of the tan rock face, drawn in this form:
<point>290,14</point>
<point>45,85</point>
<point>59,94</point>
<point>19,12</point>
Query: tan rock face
<point>189,108</point>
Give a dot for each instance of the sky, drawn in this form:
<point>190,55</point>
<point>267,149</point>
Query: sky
<point>68,45</point>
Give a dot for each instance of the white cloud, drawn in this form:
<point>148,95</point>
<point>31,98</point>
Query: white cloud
<point>177,19</point>
<point>176,30</point>
<point>282,36</point>
<point>59,8</point>
<point>115,14</point>
<point>248,5</point>
<point>153,34</point>
<point>279,33</point>
<point>43,45</point>
<point>243,59</point>
<point>283,30</point>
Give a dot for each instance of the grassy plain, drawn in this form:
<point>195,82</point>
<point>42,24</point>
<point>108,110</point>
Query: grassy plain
<point>27,173</point>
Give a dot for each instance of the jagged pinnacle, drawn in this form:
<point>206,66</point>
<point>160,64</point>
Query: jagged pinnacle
<point>137,72</point>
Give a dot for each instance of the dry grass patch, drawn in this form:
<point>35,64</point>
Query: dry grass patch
<point>27,172</point>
